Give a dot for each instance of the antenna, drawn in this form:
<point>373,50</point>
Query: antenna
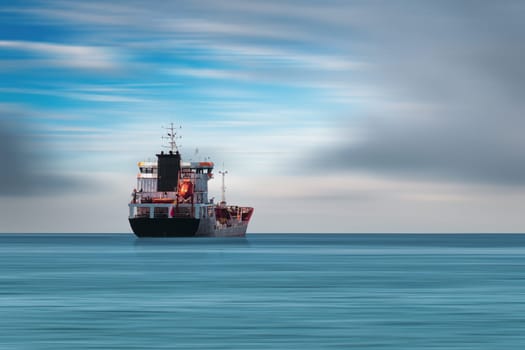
<point>196,155</point>
<point>171,135</point>
<point>223,188</point>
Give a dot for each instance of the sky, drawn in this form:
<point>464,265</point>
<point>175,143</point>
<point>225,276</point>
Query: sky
<point>330,116</point>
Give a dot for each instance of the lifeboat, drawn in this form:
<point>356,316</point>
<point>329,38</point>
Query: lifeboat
<point>186,189</point>
<point>162,200</point>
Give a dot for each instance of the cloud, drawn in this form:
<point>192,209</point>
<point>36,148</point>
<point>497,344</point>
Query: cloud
<point>449,106</point>
<point>431,89</point>
<point>423,97</point>
<point>207,73</point>
<point>74,56</point>
<point>29,168</point>
<point>83,94</point>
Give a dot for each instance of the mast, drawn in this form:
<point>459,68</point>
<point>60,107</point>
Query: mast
<point>223,188</point>
<point>171,135</point>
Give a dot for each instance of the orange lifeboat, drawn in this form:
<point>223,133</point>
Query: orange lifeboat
<point>162,200</point>
<point>186,189</point>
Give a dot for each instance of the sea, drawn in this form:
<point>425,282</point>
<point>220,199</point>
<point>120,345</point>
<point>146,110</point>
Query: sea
<point>267,291</point>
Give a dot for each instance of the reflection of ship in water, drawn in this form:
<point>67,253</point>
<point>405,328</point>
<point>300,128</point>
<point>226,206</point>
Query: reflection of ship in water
<point>172,200</point>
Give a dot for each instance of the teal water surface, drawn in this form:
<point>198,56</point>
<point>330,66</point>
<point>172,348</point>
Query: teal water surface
<point>95,291</point>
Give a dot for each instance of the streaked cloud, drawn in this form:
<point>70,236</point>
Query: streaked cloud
<point>75,56</point>
<point>28,168</point>
<point>361,110</point>
<point>448,106</point>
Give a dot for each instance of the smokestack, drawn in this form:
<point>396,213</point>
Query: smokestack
<point>168,171</point>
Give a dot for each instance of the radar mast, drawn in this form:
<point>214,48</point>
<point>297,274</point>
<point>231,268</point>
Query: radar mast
<point>172,137</point>
<point>223,187</point>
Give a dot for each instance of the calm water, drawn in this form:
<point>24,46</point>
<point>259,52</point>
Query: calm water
<point>264,292</point>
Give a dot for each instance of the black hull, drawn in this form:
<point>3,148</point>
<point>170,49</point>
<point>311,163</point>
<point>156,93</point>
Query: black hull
<point>164,227</point>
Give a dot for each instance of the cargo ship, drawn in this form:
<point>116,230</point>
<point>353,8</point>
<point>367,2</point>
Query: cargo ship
<point>171,199</point>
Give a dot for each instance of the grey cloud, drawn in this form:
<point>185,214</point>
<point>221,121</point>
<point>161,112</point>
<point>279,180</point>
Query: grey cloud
<point>26,169</point>
<point>438,149</point>
<point>462,66</point>
<point>462,61</point>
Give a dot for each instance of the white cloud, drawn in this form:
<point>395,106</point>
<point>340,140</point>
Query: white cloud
<point>208,73</point>
<point>363,203</point>
<point>84,95</point>
<point>333,62</point>
<point>74,56</point>
<point>377,68</point>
